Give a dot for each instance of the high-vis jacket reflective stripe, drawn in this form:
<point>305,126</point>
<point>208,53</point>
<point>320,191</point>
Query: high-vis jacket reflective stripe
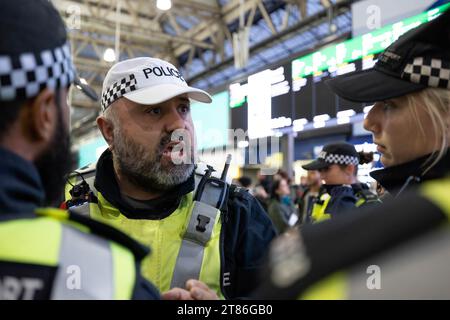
<point>415,271</point>
<point>360,202</point>
<point>91,259</point>
<point>318,211</point>
<point>88,267</point>
<point>190,256</point>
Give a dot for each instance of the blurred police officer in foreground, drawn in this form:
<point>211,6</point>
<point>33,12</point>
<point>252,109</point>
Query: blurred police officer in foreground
<point>197,225</point>
<point>338,166</point>
<point>400,249</point>
<point>47,253</point>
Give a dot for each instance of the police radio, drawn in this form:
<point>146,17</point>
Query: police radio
<point>213,190</point>
<point>80,193</point>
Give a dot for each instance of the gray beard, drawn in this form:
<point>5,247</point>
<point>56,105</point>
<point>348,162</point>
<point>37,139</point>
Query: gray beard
<point>144,169</point>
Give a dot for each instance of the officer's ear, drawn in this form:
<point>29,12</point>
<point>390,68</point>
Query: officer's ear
<point>350,170</point>
<point>106,127</point>
<point>39,116</point>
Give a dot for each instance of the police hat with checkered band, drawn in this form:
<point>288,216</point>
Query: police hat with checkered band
<point>34,51</point>
<point>147,81</point>
<point>417,60</point>
<point>334,153</point>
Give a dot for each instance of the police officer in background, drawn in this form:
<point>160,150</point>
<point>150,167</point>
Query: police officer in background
<point>400,249</point>
<point>48,253</point>
<point>197,225</point>
<point>338,166</point>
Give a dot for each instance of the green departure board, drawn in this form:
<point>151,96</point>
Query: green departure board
<point>368,44</point>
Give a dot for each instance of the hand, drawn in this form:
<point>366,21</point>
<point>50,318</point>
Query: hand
<point>195,290</point>
<point>176,294</point>
<point>200,291</point>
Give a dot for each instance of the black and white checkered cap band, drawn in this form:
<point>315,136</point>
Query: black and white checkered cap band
<point>25,75</point>
<point>118,89</point>
<point>429,72</point>
<point>339,158</point>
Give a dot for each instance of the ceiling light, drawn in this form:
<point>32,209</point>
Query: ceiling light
<point>109,55</point>
<point>164,4</point>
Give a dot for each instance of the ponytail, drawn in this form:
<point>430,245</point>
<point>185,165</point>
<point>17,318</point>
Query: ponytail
<point>365,157</point>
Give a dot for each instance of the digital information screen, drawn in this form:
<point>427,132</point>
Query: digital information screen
<point>298,90</point>
<point>239,117</point>
<point>312,97</point>
<point>282,105</point>
<point>259,104</point>
<point>90,151</point>
<point>267,100</point>
<point>279,85</point>
<point>211,121</point>
<point>334,56</point>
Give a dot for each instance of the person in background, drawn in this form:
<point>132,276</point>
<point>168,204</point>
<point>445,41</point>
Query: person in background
<point>301,188</point>
<point>304,182</point>
<point>282,210</point>
<point>262,190</point>
<point>306,202</point>
<point>244,182</point>
<point>265,181</point>
<point>341,192</point>
<point>282,174</point>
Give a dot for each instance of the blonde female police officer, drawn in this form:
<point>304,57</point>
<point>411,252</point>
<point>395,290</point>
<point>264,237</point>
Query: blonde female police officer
<point>400,249</point>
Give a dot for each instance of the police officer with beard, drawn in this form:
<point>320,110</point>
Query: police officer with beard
<point>145,184</point>
<point>49,253</point>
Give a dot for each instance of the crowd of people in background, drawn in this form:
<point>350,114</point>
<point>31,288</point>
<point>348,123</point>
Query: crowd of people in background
<point>330,187</point>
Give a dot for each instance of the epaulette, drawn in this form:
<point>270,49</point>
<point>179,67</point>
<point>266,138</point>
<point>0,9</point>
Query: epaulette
<point>368,196</point>
<point>239,192</point>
